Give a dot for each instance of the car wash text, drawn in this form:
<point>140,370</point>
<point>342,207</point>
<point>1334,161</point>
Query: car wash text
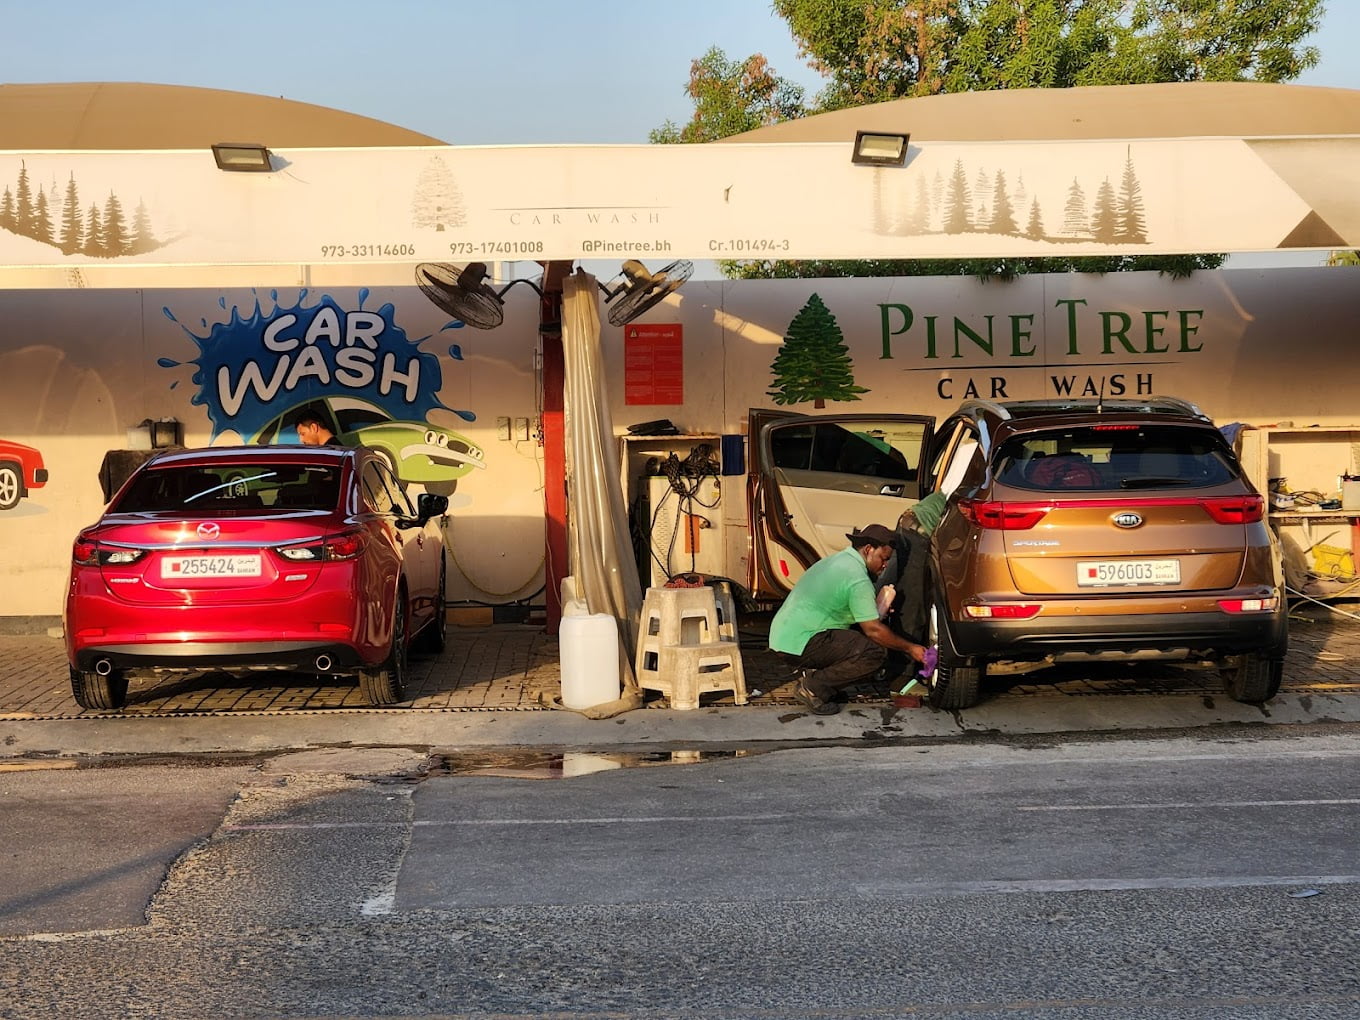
<point>1008,343</point>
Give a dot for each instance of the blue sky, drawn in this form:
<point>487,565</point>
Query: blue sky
<point>507,72</point>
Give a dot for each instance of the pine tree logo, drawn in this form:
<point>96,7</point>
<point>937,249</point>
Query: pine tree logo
<point>813,363</point>
<point>437,202</point>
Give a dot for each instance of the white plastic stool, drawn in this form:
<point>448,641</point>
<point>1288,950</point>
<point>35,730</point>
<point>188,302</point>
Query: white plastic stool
<point>682,648</point>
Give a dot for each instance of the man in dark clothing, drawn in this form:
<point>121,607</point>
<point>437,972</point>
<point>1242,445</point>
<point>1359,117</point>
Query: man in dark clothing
<point>313,430</point>
<point>830,624</point>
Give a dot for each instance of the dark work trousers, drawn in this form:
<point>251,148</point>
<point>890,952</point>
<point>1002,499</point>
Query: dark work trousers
<point>907,571</point>
<point>839,658</point>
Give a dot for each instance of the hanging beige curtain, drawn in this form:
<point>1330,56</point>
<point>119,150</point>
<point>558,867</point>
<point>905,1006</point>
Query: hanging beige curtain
<point>599,545</point>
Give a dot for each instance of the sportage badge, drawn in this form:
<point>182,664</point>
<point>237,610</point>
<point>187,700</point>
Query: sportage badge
<point>1128,520</point>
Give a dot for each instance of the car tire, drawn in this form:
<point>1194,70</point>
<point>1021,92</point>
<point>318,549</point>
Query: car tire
<point>386,685</point>
<point>956,683</point>
<point>11,486</point>
<point>94,691</point>
<point>1252,678</point>
<point>434,638</point>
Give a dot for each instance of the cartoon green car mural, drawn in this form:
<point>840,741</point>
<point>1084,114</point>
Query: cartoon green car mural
<point>427,455</point>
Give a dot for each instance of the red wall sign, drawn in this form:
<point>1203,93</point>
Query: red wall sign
<point>653,363</point>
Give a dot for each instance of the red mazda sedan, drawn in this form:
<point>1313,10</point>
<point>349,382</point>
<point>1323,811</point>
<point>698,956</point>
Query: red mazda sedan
<point>305,559</point>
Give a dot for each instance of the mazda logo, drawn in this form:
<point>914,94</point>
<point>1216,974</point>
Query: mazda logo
<point>1128,520</point>
<point>209,530</point>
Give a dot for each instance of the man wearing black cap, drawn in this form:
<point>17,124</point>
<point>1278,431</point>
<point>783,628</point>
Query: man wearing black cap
<point>816,625</point>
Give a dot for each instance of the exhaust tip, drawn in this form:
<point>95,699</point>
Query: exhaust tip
<point>103,667</point>
<point>323,664</point>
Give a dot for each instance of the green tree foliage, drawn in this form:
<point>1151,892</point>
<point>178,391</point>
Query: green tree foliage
<point>875,50</point>
<point>731,97</point>
<point>814,363</point>
<point>1344,257</point>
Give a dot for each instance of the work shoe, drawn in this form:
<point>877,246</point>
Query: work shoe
<point>814,704</point>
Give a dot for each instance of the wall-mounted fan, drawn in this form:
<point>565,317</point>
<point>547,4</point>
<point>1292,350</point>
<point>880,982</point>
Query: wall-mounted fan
<point>641,289</point>
<point>463,293</point>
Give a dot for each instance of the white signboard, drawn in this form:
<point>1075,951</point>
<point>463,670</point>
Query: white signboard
<point>726,201</point>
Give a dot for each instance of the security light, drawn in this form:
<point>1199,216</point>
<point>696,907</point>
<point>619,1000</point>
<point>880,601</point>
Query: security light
<point>243,157</point>
<point>874,148</point>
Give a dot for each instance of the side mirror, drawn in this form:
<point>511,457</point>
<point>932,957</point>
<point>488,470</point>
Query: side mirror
<point>428,505</point>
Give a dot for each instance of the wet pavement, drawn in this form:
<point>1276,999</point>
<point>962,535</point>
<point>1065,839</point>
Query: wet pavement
<point>515,668</point>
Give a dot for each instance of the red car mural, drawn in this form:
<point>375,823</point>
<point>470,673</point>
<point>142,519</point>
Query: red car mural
<point>21,469</point>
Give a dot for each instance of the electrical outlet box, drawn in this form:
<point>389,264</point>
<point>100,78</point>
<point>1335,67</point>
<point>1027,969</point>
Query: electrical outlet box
<point>521,428</point>
<point>503,428</point>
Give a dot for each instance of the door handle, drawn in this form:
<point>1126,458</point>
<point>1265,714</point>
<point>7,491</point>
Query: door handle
<point>891,490</point>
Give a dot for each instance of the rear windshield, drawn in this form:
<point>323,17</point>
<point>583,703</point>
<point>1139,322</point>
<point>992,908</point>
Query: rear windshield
<point>198,491</point>
<point>1115,458</point>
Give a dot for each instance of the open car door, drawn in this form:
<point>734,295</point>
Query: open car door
<point>815,478</point>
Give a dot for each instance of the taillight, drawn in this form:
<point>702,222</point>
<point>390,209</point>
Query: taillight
<point>1235,509</point>
<point>1267,604</point>
<point>89,553</point>
<point>85,551</point>
<point>346,545</point>
<point>1004,611</point>
<point>1003,516</point>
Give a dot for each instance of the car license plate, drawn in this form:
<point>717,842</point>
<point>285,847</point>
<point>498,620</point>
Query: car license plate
<point>1108,573</point>
<point>176,568</point>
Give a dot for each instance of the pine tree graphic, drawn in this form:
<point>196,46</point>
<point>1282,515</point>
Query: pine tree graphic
<point>1003,218</point>
<point>1104,220</point>
<point>956,219</point>
<point>1074,212</point>
<point>437,201</point>
<point>813,363</point>
<point>115,230</point>
<point>94,232</point>
<point>1034,230</point>
<point>72,228</point>
<point>1130,228</point>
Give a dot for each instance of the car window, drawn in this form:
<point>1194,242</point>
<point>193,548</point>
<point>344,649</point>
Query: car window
<point>376,493</point>
<point>1115,458</point>
<point>401,501</point>
<point>226,489</point>
<point>854,456</point>
<point>351,419</point>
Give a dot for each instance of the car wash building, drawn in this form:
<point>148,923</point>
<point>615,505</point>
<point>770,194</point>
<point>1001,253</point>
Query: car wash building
<point>159,287</point>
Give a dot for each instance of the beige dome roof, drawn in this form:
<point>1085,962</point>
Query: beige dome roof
<point>130,115</point>
<point>1176,110</point>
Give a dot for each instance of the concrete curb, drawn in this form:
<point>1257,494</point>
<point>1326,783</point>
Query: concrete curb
<point>269,733</point>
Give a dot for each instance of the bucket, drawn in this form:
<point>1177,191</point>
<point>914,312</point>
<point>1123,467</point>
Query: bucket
<point>588,646</point>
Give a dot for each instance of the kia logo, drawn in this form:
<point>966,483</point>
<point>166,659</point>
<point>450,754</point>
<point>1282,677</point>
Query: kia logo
<point>1127,520</point>
<point>209,530</point>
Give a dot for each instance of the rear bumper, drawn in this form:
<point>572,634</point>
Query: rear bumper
<point>296,656</point>
<point>1207,635</point>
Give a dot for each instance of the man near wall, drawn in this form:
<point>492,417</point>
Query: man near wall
<point>312,430</point>
<point>830,624</point>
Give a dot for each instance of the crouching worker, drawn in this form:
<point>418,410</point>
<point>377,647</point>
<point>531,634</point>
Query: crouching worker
<point>830,625</point>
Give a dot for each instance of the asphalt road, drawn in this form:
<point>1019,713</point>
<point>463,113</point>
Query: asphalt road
<point>1188,877</point>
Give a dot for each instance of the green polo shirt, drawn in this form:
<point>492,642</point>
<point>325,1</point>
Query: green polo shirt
<point>834,594</point>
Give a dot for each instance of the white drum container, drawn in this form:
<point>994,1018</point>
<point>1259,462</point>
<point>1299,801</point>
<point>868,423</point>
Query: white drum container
<point>588,647</point>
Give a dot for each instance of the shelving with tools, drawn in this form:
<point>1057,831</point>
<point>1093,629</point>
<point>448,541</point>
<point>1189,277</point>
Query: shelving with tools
<point>1303,473</point>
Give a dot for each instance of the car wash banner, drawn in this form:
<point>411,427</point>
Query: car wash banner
<point>730,201</point>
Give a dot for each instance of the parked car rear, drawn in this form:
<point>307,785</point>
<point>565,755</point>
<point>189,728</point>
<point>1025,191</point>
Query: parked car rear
<point>311,560</point>
<point>1093,530</point>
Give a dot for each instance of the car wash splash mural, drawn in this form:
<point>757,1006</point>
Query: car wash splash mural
<point>259,370</point>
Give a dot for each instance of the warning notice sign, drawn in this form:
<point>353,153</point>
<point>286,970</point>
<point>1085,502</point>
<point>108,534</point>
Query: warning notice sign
<point>654,363</point>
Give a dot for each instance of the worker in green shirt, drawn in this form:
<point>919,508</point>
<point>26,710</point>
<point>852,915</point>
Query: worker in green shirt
<point>831,626</point>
